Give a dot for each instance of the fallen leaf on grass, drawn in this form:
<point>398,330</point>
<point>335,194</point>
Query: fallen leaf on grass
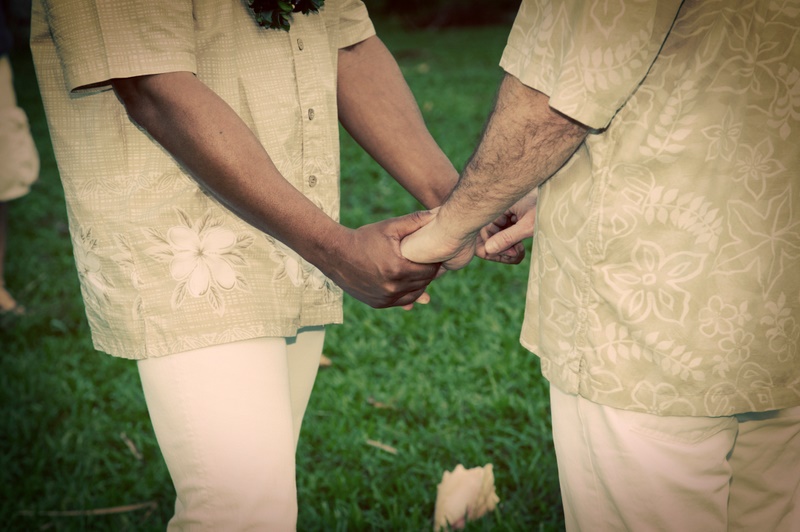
<point>131,446</point>
<point>382,446</point>
<point>151,505</point>
<point>325,362</point>
<point>464,495</point>
<point>378,404</point>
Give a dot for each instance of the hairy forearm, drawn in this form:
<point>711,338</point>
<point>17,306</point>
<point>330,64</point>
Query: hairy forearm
<point>378,109</point>
<point>219,150</point>
<point>524,143</point>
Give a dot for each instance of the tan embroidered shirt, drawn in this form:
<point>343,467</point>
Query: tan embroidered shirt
<point>666,270</point>
<point>164,267</point>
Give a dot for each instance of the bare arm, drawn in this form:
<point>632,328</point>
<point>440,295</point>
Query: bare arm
<point>524,143</point>
<point>207,137</point>
<point>378,109</point>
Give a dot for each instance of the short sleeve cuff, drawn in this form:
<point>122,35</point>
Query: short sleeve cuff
<point>100,41</point>
<point>354,24</point>
<point>583,110</point>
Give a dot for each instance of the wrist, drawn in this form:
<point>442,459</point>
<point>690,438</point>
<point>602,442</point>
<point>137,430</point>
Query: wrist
<point>323,245</point>
<point>452,234</point>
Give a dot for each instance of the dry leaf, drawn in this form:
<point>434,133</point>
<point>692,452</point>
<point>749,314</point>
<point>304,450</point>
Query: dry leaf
<point>382,446</point>
<point>151,505</point>
<point>464,495</point>
<point>378,404</point>
<point>325,362</point>
<point>131,446</point>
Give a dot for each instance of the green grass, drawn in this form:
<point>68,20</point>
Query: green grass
<point>459,387</point>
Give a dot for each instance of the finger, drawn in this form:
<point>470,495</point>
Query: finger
<point>405,225</point>
<point>513,255</point>
<point>407,300</point>
<point>424,299</point>
<point>506,238</point>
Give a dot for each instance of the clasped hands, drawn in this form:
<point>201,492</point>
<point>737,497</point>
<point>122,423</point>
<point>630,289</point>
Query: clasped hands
<point>391,262</point>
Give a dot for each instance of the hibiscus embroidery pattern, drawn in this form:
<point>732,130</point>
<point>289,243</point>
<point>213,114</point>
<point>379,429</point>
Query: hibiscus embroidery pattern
<point>301,272</point>
<point>203,258</point>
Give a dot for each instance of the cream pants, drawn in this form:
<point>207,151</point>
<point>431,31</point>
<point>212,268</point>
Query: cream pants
<point>227,419</point>
<point>622,470</point>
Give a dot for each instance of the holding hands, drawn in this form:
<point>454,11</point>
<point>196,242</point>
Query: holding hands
<point>371,268</point>
<point>445,241</point>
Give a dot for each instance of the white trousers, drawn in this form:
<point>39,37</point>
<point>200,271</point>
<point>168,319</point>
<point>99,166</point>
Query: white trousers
<point>227,419</point>
<point>622,470</point>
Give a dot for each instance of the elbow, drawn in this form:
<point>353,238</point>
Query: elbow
<point>147,98</point>
<point>132,93</point>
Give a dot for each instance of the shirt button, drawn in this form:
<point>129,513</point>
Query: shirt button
<point>300,44</point>
<point>312,181</point>
<point>311,114</point>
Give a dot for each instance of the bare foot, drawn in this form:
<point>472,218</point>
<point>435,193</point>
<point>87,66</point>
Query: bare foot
<point>8,305</point>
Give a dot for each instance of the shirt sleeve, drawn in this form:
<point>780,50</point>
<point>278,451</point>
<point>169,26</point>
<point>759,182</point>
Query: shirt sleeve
<point>354,23</point>
<point>587,56</point>
<point>100,41</point>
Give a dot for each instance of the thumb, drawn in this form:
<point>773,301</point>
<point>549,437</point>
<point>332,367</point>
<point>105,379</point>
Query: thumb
<point>405,225</point>
<point>505,239</point>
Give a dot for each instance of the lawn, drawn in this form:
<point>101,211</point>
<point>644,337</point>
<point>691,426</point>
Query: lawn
<point>441,385</point>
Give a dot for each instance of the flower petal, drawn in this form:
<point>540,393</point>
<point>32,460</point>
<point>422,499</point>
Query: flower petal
<point>200,280</point>
<point>218,240</point>
<point>182,265</point>
<point>183,238</point>
<point>221,272</point>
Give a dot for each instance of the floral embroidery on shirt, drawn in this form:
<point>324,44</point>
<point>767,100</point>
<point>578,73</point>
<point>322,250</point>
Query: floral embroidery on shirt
<point>656,203</point>
<point>651,284</point>
<point>124,260</point>
<point>670,134</point>
<point>723,137</point>
<point>786,108</point>
<point>736,349</point>
<point>751,237</point>
<point>95,283</point>
<point>196,341</point>
<point>719,317</point>
<point>203,257</point>
<point>620,344</point>
<point>784,331</point>
<point>755,165</point>
<point>300,272</point>
<point>653,399</point>
<point>102,184</point>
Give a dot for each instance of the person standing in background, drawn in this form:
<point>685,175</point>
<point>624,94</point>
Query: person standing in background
<point>664,295</point>
<point>19,160</point>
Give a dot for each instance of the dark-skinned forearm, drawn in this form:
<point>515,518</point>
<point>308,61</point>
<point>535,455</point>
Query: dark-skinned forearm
<point>227,159</point>
<point>378,109</point>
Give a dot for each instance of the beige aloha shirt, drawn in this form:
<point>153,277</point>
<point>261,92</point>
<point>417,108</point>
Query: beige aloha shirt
<point>666,270</point>
<point>164,267</point>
